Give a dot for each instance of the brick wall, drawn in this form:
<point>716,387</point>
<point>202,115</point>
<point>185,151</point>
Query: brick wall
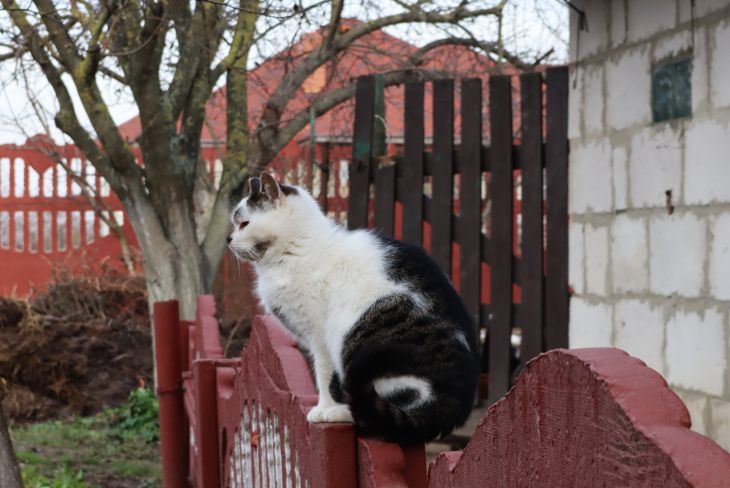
<point>651,272</point>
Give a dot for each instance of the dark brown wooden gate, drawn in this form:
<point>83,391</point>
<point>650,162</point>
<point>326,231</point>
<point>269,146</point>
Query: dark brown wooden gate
<point>505,214</point>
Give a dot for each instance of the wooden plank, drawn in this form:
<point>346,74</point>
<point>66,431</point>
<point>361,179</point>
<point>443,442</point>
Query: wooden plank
<point>412,165</point>
<point>443,176</point>
<point>556,155</point>
<point>532,234</point>
<point>324,177</point>
<point>379,119</point>
<point>470,193</point>
<point>500,115</point>
<point>359,174</point>
<point>385,199</point>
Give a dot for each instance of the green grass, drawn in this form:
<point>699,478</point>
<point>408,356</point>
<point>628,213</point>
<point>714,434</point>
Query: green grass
<point>117,447</point>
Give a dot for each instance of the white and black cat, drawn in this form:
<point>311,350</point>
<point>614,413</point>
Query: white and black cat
<point>393,347</point>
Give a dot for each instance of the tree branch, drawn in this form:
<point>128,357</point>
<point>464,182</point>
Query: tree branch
<point>335,17</point>
<point>416,58</point>
<point>292,81</point>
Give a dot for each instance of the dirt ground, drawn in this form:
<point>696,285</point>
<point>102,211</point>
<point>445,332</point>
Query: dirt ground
<point>79,346</point>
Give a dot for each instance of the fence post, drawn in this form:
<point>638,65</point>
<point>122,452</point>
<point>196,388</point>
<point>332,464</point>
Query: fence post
<point>173,422</point>
<point>204,372</point>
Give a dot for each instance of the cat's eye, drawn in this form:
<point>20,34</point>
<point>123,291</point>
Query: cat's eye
<point>242,225</point>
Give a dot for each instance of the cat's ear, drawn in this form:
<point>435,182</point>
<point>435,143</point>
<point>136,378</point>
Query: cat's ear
<point>271,187</point>
<point>254,185</point>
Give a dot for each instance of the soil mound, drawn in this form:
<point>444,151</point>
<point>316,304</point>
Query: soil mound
<point>77,347</point>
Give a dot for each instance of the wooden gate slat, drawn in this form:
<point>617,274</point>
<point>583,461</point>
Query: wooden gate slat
<point>470,195</point>
<point>412,165</point>
<point>443,183</point>
<point>385,199</point>
<point>556,154</point>
<point>359,173</point>
<point>532,215</point>
<point>500,112</point>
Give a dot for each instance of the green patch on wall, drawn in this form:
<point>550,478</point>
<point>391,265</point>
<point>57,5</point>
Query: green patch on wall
<point>671,90</point>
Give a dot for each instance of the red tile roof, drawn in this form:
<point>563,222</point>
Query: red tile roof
<point>375,52</point>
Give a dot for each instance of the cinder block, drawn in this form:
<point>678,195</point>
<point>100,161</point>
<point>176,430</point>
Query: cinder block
<point>618,23</point>
<point>706,168</point>
<point>572,26</point>
<point>575,102</point>
<point>590,176</point>
<point>676,254</point>
<point>720,418</point>
<point>629,266</point>
<point>719,268</point>
<point>620,179</point>
<point>647,17</point>
<point>640,331</point>
<point>590,323</point>
<point>595,39</point>
<point>700,71</point>
<point>655,166</point>
<point>697,405</point>
<point>705,7</point>
<point>696,352</point>
<point>628,88</point>
<point>596,249</point>
<point>593,101</point>
<point>670,46</point>
<point>684,11</point>
<point>576,257</point>
<point>720,65</point>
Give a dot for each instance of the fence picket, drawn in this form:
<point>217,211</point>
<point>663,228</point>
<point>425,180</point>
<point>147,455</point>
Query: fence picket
<point>359,175</point>
<point>385,199</point>
<point>531,277</point>
<point>556,155</point>
<point>500,325</point>
<point>412,166</point>
<point>470,190</point>
<point>443,177</point>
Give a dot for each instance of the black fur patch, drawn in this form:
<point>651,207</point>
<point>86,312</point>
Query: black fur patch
<point>395,337</point>
<point>260,200</point>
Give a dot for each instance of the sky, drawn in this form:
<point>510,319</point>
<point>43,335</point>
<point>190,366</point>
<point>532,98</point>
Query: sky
<point>530,28</point>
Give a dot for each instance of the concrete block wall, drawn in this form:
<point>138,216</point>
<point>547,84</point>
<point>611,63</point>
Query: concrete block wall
<point>650,203</point>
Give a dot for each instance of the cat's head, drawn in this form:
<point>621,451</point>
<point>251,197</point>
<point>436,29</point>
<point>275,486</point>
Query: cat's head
<point>268,217</point>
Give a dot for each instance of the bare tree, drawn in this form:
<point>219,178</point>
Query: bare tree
<point>170,56</point>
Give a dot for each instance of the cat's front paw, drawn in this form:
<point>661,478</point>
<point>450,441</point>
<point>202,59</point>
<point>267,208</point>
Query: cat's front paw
<point>330,413</point>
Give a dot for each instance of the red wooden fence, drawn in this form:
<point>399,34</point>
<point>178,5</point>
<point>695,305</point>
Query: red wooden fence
<point>46,217</point>
<point>242,422</point>
<point>590,417</point>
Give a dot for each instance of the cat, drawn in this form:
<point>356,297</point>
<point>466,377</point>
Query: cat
<point>393,347</point>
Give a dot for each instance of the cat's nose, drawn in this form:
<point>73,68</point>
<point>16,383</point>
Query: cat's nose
<point>229,239</point>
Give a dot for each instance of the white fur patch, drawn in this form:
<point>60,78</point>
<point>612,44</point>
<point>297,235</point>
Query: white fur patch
<point>386,387</point>
<point>461,338</point>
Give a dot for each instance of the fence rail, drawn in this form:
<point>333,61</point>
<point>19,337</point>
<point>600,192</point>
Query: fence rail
<point>591,417</point>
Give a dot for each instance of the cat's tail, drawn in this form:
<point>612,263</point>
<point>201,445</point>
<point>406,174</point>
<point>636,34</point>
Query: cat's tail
<point>388,401</point>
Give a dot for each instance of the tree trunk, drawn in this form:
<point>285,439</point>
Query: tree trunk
<point>9,469</point>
